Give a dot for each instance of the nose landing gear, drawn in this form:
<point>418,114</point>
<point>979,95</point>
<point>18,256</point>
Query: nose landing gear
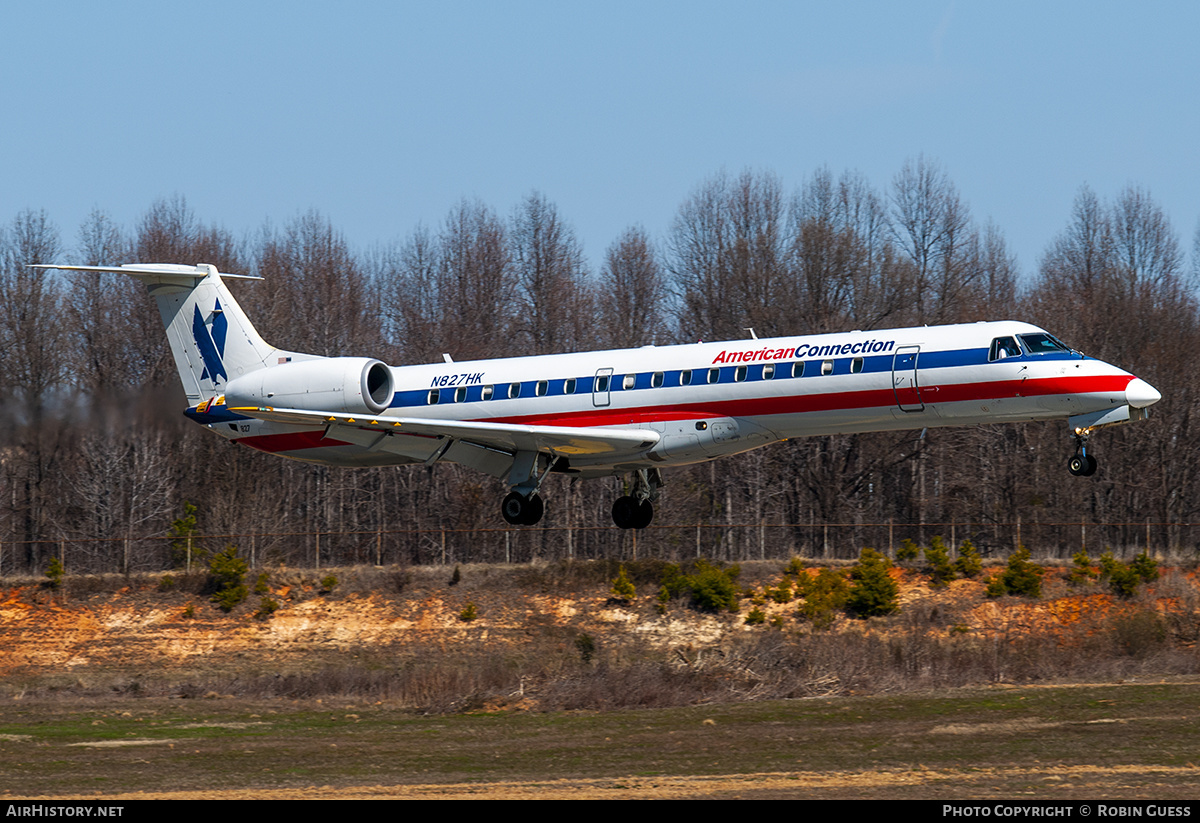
<point>1081,463</point>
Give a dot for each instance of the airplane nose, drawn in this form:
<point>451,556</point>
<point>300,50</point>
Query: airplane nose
<point>1141,394</point>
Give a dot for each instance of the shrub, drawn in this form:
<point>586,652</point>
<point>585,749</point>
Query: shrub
<point>1122,579</point>
<point>969,563</point>
<point>227,578</point>
<point>266,608</point>
<point>941,570</point>
<point>623,588</point>
<point>1146,567</point>
<point>55,573</point>
<point>908,550</point>
<point>709,588</point>
<point>260,584</point>
<point>713,589</point>
<point>181,532</point>
<point>585,644</point>
<point>873,592</point>
<point>1139,634</point>
<point>756,617</point>
<point>469,613</point>
<point>1021,576</point>
<point>328,583</point>
<point>166,583</point>
<point>824,596</point>
<point>794,568</point>
<point>995,586</point>
<point>782,594</point>
<point>1082,572</point>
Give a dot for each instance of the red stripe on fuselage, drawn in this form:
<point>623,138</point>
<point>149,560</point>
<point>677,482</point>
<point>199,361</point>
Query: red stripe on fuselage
<point>830,401</point>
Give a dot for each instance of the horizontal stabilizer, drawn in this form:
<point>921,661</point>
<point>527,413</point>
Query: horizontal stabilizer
<point>173,270</point>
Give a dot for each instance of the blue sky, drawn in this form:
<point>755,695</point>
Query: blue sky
<point>383,115</point>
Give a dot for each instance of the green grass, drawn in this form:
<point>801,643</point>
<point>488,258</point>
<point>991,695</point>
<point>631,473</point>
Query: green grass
<point>961,741</point>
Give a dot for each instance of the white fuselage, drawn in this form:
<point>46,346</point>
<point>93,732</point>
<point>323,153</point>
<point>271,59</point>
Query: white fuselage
<point>706,400</point>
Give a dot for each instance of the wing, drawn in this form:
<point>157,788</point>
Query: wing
<point>397,434</point>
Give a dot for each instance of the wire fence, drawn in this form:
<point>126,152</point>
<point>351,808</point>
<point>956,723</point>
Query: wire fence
<point>725,542</point>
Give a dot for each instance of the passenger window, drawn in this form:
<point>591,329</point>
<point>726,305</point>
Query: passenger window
<point>629,382</point>
<point>714,375</point>
<point>685,377</point>
<point>543,386</point>
<point>798,368</point>
<point>768,371</point>
<point>827,367</point>
<point>856,365</point>
<point>602,383</point>
<point>514,391</point>
<point>487,393</point>
<point>460,394</point>
<point>739,374</point>
<point>434,397</point>
<point>1004,347</point>
<point>569,386</point>
<point>656,380</point>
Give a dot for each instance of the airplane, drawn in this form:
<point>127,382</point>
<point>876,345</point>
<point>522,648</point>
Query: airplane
<point>618,412</point>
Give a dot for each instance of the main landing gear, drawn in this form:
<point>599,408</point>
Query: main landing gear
<point>519,510</point>
<point>635,511</point>
<point>1081,463</point>
<point>523,506</point>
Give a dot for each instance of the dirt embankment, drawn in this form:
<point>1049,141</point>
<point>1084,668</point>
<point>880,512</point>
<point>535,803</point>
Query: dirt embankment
<point>142,626</point>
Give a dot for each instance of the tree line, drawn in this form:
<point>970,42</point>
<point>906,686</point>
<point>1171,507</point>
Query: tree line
<point>93,447</point>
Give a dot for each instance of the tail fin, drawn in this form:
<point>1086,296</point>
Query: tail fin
<point>212,339</point>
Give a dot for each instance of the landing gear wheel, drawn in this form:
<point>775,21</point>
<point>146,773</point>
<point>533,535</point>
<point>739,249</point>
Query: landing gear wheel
<point>519,510</point>
<point>630,513</point>
<point>1082,465</point>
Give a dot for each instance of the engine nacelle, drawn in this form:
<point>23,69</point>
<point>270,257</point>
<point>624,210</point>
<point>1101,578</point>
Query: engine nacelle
<point>350,385</point>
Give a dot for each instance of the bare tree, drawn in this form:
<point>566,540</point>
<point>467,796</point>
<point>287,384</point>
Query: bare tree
<point>104,311</point>
<point>35,368</point>
<point>727,259</point>
<point>315,297</point>
<point>407,279</point>
<point>932,227</point>
<point>547,260</point>
<point>477,292</point>
<point>630,295</point>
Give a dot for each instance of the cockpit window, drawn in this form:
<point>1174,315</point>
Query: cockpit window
<point>1042,343</point>
<point>1003,347</point>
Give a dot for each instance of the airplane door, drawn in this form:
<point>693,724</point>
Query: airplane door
<point>904,379</point>
<point>602,387</point>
